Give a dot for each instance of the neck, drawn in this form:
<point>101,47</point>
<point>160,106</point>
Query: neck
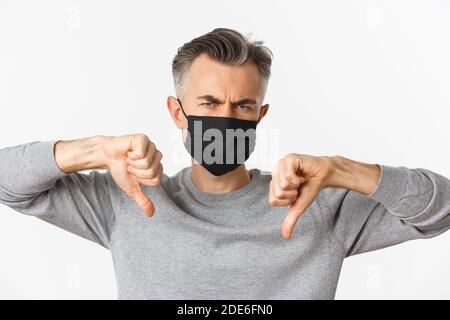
<point>231,181</point>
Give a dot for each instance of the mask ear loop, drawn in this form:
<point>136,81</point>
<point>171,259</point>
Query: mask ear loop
<point>182,108</point>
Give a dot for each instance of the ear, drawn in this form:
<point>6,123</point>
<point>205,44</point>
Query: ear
<point>263,112</point>
<point>175,111</point>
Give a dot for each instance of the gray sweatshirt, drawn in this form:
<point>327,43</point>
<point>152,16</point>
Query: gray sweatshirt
<point>208,246</point>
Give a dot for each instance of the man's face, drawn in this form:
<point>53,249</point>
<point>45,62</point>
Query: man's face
<point>215,89</point>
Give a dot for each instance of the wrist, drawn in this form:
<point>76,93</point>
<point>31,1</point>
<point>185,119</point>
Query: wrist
<point>83,154</point>
<point>357,176</point>
<point>102,144</point>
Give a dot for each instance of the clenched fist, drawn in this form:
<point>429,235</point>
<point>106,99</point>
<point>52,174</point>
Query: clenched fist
<point>134,160</point>
<point>298,179</point>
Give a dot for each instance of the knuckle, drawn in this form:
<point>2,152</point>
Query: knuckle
<point>142,136</point>
<point>289,175</point>
<point>157,180</point>
<point>291,156</point>
<point>278,193</point>
<point>284,183</point>
<point>147,163</point>
<point>139,153</point>
<point>154,182</point>
<point>271,198</point>
<point>157,155</point>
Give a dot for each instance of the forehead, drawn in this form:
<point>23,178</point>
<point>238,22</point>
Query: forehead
<point>212,77</point>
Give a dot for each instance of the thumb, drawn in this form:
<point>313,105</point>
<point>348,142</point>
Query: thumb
<point>297,208</point>
<point>143,202</point>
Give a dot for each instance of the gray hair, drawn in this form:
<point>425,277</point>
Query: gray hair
<point>226,46</point>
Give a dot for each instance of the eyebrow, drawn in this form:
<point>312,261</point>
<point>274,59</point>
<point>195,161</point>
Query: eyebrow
<point>213,99</point>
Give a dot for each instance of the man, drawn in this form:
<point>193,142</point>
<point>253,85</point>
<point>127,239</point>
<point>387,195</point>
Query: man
<point>212,231</point>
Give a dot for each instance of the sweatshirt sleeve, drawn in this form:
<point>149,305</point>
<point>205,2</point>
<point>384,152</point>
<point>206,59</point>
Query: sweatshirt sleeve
<point>32,183</point>
<point>407,204</point>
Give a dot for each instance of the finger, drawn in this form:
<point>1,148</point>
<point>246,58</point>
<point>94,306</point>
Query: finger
<point>142,163</point>
<point>143,202</point>
<point>277,196</point>
<point>283,194</point>
<point>305,199</point>
<point>139,151</point>
<point>156,161</point>
<point>280,202</point>
<point>288,175</point>
<point>149,173</point>
<point>155,181</point>
<point>273,200</point>
<point>143,175</point>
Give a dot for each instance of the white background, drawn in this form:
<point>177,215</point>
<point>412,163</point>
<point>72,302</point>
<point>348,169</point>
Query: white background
<point>368,80</point>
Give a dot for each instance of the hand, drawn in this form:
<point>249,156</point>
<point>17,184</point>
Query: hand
<point>134,160</point>
<point>298,179</point>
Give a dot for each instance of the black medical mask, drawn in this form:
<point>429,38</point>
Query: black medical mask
<point>219,144</point>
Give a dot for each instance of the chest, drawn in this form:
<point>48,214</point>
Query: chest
<point>170,256</point>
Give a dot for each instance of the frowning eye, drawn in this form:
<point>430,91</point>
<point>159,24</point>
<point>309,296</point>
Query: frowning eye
<point>207,104</point>
<point>244,106</point>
